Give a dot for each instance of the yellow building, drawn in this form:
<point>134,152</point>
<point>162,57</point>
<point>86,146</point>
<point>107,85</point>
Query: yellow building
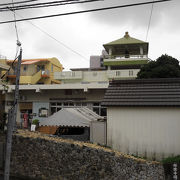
<point>3,67</point>
<point>36,71</point>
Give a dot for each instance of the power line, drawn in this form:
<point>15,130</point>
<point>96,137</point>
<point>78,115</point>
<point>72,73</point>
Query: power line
<point>152,7</point>
<point>86,11</point>
<point>20,2</point>
<point>61,43</point>
<point>17,36</point>
<point>48,4</point>
<point>18,44</point>
<point>67,47</point>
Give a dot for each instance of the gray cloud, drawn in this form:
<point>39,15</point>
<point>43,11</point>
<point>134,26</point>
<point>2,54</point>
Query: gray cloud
<point>137,16</point>
<point>86,33</point>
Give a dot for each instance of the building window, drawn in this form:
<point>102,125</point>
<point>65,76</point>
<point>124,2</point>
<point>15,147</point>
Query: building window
<point>56,106</point>
<point>118,73</point>
<point>25,68</point>
<point>73,74</point>
<point>51,67</point>
<point>68,92</point>
<point>98,109</point>
<point>53,110</point>
<point>131,73</point>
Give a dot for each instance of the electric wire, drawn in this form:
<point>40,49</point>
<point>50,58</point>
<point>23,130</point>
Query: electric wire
<point>48,4</point>
<point>27,6</point>
<point>61,43</point>
<point>85,11</point>
<point>15,25</point>
<point>20,2</point>
<point>18,45</point>
<point>152,8</point>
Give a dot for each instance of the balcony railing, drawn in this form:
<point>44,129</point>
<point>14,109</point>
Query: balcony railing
<point>11,73</point>
<point>127,57</point>
<point>99,77</point>
<point>69,75</point>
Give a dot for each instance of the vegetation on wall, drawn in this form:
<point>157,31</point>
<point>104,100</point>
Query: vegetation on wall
<point>164,67</point>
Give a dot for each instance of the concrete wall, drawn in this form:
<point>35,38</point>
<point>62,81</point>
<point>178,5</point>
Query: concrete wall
<point>50,158</point>
<point>144,131</point>
<point>98,132</point>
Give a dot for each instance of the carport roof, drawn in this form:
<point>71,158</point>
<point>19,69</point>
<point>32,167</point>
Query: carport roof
<point>146,92</point>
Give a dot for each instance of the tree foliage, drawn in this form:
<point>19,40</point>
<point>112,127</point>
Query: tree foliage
<point>164,67</point>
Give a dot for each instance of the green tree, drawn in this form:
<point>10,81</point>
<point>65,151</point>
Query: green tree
<point>164,67</point>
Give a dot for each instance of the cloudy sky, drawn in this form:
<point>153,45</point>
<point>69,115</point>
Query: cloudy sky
<point>84,34</point>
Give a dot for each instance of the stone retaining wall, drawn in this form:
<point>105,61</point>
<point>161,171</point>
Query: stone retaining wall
<point>43,157</point>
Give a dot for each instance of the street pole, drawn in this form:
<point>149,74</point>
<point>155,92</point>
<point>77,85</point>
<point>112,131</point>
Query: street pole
<point>12,120</point>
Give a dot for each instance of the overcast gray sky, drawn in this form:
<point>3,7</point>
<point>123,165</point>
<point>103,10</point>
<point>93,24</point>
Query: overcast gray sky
<point>86,33</point>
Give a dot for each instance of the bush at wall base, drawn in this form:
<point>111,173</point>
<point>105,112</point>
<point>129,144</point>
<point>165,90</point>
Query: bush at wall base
<point>172,167</point>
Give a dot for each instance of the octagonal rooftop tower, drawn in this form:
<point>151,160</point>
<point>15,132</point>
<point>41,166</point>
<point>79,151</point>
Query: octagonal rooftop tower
<point>126,53</point>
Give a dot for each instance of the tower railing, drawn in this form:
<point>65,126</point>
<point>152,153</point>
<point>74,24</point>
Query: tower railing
<point>125,57</point>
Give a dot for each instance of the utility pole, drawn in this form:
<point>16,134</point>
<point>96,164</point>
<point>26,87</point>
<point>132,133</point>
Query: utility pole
<point>12,119</point>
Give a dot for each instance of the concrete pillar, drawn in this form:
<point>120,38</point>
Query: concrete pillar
<point>141,50</point>
<point>110,52</point>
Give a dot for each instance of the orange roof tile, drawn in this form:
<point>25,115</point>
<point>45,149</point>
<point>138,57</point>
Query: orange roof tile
<point>29,61</point>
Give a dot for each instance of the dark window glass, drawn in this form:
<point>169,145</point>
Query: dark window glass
<point>71,104</point>
<point>70,131</point>
<point>58,109</point>
<point>68,92</point>
<point>103,112</point>
<point>53,104</point>
<point>95,104</point>
<point>96,110</point>
<point>53,110</point>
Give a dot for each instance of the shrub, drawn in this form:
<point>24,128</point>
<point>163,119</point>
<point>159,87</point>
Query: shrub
<point>175,159</point>
<point>35,122</point>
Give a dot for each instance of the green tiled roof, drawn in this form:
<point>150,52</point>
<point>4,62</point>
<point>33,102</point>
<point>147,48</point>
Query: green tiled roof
<point>125,40</point>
